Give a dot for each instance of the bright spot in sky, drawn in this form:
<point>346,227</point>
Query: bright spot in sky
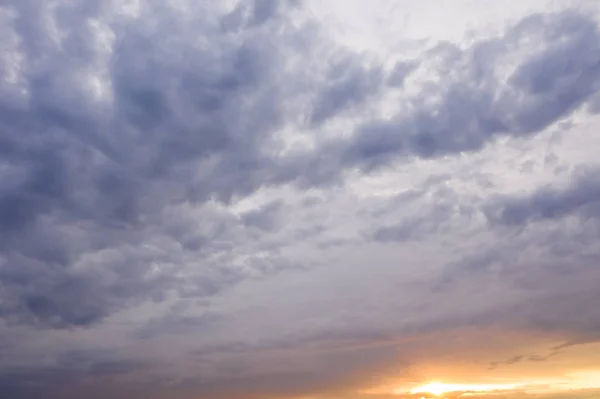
<point>439,388</point>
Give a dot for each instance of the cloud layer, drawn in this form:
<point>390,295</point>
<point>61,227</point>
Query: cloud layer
<point>226,200</point>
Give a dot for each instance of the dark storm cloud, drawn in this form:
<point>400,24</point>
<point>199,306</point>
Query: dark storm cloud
<point>581,198</point>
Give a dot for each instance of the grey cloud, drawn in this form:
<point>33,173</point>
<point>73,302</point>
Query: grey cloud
<point>532,357</point>
<point>376,144</point>
<point>429,209</point>
<point>87,176</point>
<point>298,373</point>
<point>46,293</point>
<point>560,311</point>
<point>594,104</point>
<point>348,84</point>
<point>174,323</point>
<point>258,12</point>
<point>112,152</point>
<point>581,197</point>
<point>265,217</point>
<point>511,361</point>
<point>473,103</point>
<point>398,233</point>
<point>470,105</point>
<point>418,226</point>
<point>249,372</point>
<point>560,78</point>
<point>400,72</point>
<point>104,370</point>
<point>538,279</point>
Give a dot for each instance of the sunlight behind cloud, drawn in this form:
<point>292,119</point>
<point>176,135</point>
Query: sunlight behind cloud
<point>440,388</point>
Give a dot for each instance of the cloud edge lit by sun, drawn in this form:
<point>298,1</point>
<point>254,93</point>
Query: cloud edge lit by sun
<point>437,388</point>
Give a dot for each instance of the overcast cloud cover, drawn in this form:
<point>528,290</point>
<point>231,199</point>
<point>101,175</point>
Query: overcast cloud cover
<point>286,198</point>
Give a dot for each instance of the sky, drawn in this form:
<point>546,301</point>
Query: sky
<point>318,199</point>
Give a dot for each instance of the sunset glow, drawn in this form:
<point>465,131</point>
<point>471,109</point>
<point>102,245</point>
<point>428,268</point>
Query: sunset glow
<point>440,388</point>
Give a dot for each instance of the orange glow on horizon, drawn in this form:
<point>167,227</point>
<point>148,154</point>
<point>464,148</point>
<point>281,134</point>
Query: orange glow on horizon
<point>440,388</point>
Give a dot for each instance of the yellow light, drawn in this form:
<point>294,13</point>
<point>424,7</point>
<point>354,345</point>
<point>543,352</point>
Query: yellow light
<point>436,388</point>
<point>440,388</point>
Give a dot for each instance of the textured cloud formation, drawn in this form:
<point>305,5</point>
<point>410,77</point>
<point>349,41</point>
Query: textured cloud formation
<point>223,199</point>
<point>579,198</point>
<point>112,118</point>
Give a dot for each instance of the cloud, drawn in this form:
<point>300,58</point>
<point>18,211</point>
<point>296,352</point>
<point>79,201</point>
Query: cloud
<point>312,372</point>
<point>579,198</point>
<point>185,183</point>
<point>348,84</point>
<point>474,100</point>
<point>71,369</point>
<point>114,116</point>
<point>174,323</point>
<point>476,94</point>
<point>521,358</point>
<point>264,218</point>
